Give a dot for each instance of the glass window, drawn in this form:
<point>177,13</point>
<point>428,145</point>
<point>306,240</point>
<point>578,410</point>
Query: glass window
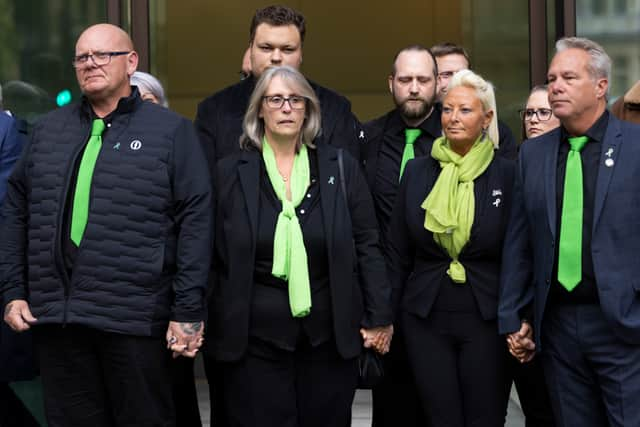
<point>598,7</point>
<point>199,49</point>
<point>618,31</point>
<point>36,47</point>
<point>620,7</point>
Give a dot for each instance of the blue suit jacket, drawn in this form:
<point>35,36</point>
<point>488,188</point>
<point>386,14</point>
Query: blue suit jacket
<point>529,250</point>
<point>11,142</point>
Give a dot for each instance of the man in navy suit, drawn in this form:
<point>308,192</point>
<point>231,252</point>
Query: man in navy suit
<point>587,331</point>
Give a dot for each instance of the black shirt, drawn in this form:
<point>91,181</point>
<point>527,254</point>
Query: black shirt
<point>125,105</point>
<point>271,319</point>
<point>586,292</point>
<point>387,173</point>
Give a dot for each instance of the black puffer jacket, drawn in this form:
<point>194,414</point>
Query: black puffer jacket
<point>145,252</point>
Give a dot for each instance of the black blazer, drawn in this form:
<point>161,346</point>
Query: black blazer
<point>355,303</point>
<point>418,264</point>
<point>615,236</point>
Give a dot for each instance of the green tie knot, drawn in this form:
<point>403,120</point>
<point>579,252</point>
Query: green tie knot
<point>410,135</point>
<point>578,142</point>
<point>97,127</point>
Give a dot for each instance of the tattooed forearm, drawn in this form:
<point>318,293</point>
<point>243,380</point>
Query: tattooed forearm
<point>191,328</point>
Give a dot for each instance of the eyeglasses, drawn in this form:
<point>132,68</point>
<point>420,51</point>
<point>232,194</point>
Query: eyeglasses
<point>98,58</point>
<point>277,101</point>
<point>543,114</point>
<point>446,74</point>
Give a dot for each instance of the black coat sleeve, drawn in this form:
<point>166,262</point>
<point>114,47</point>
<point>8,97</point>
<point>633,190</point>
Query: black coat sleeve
<point>400,250</point>
<point>516,291</point>
<point>508,148</point>
<point>373,281</point>
<point>194,219</point>
<point>204,123</point>
<point>13,229</point>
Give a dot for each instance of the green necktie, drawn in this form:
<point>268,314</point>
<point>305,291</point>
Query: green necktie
<point>83,184</point>
<point>410,136</point>
<point>570,251</point>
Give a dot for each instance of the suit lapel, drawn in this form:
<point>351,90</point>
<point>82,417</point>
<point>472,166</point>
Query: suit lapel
<point>610,149</point>
<point>550,179</point>
<point>249,172</point>
<point>329,182</point>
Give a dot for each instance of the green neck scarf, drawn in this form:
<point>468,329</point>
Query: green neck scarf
<point>450,206</point>
<point>289,253</point>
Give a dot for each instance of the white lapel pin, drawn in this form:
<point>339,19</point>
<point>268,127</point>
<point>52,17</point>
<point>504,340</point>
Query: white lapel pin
<point>331,180</point>
<point>609,162</point>
<point>361,136</point>
<point>609,152</point>
<point>496,203</point>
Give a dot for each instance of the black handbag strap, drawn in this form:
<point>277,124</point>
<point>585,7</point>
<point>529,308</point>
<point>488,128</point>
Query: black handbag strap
<point>342,183</point>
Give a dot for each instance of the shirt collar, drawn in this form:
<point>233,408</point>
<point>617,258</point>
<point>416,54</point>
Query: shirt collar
<point>595,133</point>
<point>125,105</point>
<point>430,126</point>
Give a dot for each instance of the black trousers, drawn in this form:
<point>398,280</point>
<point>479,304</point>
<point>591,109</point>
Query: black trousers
<point>185,396</point>
<point>458,362</point>
<point>310,387</point>
<point>532,390</point>
<point>99,379</point>
<point>213,370</point>
<point>395,399</point>
<point>592,375</point>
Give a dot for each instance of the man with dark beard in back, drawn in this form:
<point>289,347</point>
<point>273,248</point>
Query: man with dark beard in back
<point>393,139</point>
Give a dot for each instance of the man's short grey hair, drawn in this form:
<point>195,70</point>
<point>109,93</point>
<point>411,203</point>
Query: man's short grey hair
<point>149,84</point>
<point>253,125</point>
<point>599,66</point>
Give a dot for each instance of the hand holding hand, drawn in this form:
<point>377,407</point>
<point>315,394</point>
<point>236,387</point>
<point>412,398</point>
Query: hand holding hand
<point>521,344</point>
<point>18,315</point>
<point>379,338</point>
<point>185,338</point>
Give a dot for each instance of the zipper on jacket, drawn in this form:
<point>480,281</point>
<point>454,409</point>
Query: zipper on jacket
<point>58,255</point>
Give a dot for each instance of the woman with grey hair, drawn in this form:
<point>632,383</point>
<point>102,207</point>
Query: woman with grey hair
<point>300,279</point>
<point>149,87</point>
<point>446,238</point>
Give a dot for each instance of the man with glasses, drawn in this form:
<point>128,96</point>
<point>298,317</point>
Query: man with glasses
<point>452,58</point>
<point>106,244</point>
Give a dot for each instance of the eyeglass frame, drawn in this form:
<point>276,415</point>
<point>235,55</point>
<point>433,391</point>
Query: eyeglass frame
<point>285,99</point>
<point>80,60</point>
<point>523,112</point>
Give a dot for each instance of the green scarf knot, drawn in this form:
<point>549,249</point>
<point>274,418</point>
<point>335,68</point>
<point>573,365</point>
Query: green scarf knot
<point>450,206</point>
<point>289,253</point>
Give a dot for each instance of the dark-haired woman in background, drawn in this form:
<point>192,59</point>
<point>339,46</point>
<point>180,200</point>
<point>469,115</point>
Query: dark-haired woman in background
<point>537,119</point>
<point>288,313</point>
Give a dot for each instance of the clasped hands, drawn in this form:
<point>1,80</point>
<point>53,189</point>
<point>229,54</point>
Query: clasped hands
<point>521,344</point>
<point>185,338</point>
<point>378,338</point>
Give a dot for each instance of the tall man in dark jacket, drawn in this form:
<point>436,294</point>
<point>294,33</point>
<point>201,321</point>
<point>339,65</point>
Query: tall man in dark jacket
<point>106,244</point>
<point>412,84</point>
<point>572,248</point>
<point>276,37</point>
